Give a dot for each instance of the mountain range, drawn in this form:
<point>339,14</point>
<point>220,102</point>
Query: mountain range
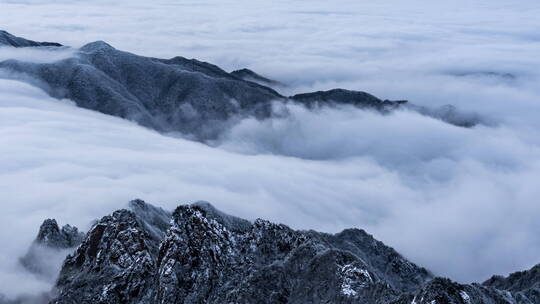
<point>198,254</point>
<point>197,99</point>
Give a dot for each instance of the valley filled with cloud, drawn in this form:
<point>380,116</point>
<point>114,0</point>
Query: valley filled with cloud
<point>461,201</point>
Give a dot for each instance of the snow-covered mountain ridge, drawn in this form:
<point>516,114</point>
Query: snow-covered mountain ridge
<point>198,254</point>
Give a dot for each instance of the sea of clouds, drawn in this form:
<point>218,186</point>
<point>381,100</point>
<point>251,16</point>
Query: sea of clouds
<point>462,202</point>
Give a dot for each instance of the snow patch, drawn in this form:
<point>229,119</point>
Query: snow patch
<point>353,276</point>
<point>465,296</point>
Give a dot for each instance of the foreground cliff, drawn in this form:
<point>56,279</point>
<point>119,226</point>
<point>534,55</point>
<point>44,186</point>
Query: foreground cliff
<point>205,256</point>
<point>198,254</point>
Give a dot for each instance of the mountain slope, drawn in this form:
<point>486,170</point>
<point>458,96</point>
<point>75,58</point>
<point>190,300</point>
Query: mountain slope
<point>7,39</point>
<point>173,95</point>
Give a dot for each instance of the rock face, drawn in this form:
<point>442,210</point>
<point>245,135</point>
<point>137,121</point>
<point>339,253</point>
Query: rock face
<point>170,95</point>
<point>113,265</point>
<point>525,285</point>
<point>445,291</point>
<point>117,260</point>
<point>198,254</point>
<point>205,256</point>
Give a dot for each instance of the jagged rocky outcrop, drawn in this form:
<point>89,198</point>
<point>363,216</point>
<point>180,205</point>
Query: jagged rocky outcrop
<point>113,264</point>
<point>521,287</point>
<point>444,291</point>
<point>205,256</point>
<point>51,235</point>
<point>172,95</point>
<point>50,248</point>
<point>45,256</point>
<point>525,285</point>
<point>198,254</point>
<point>116,262</point>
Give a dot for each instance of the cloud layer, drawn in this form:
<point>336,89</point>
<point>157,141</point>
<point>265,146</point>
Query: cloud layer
<point>462,202</point>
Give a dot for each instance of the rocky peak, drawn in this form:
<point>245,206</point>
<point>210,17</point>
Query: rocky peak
<point>97,46</point>
<point>48,230</point>
<point>232,223</point>
<point>153,220</point>
<point>50,247</point>
<point>52,236</point>
<point>400,273</point>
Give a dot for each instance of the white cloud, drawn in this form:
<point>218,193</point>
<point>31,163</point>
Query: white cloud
<point>437,192</point>
<point>462,202</point>
<point>39,55</point>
